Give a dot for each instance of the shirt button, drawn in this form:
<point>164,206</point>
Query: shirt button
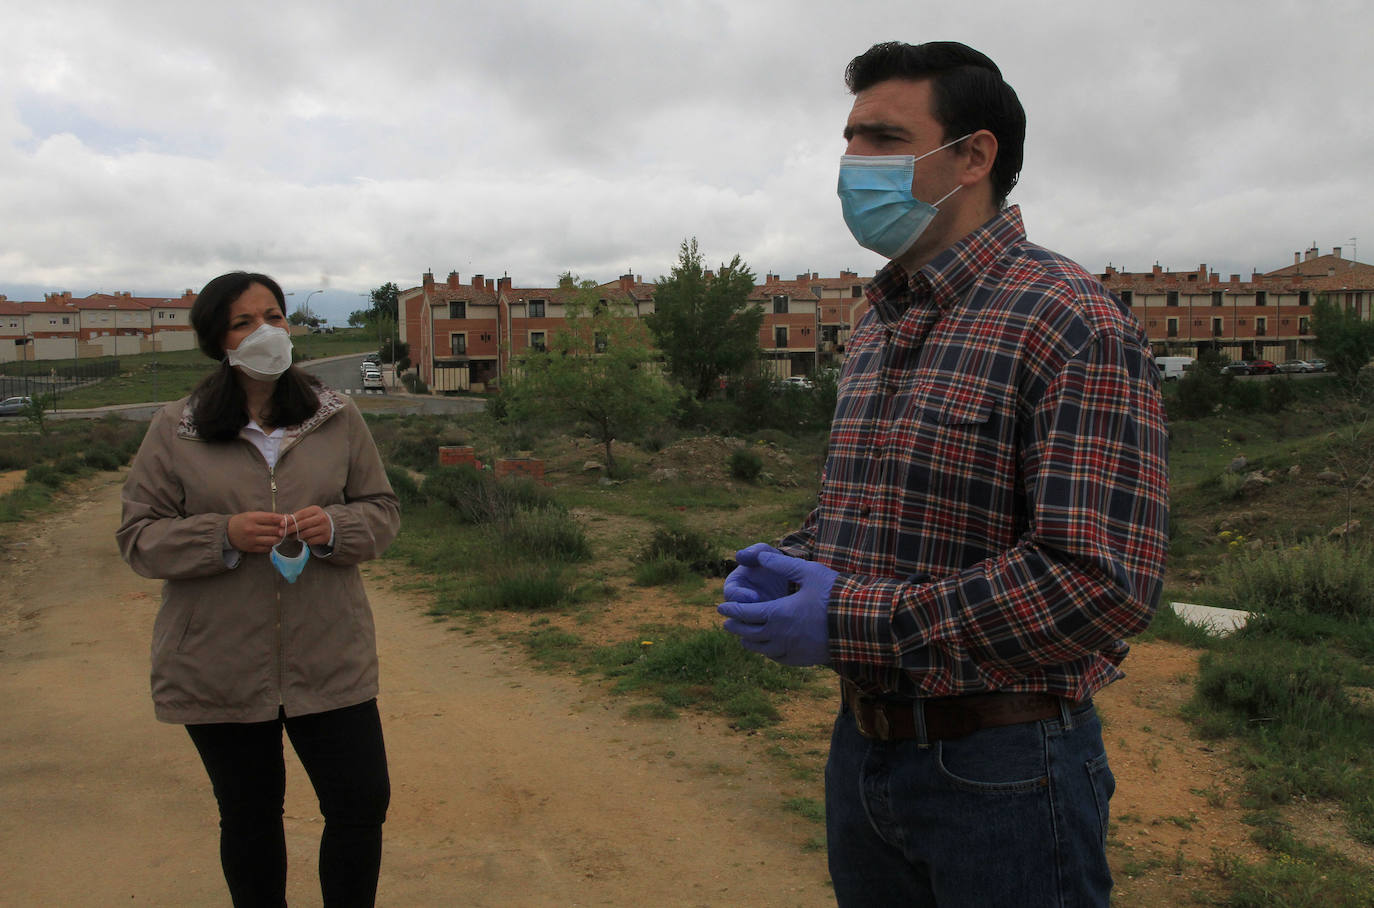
<point>863,511</point>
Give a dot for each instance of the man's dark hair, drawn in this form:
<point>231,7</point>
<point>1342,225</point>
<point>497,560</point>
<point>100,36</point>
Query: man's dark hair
<point>218,404</point>
<point>969,95</point>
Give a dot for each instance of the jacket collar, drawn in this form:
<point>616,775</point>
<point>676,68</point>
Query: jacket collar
<point>331,402</point>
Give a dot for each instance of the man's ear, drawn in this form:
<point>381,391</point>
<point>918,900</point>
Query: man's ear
<point>977,152</point>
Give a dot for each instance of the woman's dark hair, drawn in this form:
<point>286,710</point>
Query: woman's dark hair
<point>218,404</point>
<point>969,95</point>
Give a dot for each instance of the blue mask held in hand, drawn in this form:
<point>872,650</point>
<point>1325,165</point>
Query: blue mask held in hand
<point>290,566</point>
<point>879,209</point>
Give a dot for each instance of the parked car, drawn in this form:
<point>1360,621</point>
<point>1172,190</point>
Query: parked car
<point>375,358</point>
<point>373,380</point>
<point>1262,367</point>
<point>14,406</point>
<point>1318,365</point>
<point>1239,367</point>
<point>798,382</point>
<point>1296,365</point>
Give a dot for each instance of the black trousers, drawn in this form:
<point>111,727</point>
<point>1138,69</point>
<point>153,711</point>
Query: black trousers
<point>344,755</point>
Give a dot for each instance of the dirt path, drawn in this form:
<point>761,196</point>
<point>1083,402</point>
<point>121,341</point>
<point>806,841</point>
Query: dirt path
<point>510,787</point>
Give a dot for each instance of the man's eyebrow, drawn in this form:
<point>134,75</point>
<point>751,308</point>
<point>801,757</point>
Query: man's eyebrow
<point>872,128</point>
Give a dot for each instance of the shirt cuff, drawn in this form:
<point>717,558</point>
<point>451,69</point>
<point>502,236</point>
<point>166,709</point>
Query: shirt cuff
<point>230,554</point>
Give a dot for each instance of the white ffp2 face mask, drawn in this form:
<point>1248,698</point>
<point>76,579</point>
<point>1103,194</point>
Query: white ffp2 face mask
<point>264,354</point>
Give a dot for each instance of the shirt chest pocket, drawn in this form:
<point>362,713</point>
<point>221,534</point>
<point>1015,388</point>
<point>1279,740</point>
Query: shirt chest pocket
<point>959,448</point>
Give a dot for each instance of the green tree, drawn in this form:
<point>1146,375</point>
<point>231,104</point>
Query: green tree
<point>704,325</point>
<point>384,301</point>
<point>1344,339</point>
<point>597,372</point>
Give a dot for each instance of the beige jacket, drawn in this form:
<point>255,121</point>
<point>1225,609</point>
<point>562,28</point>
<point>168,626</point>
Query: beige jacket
<point>233,645</point>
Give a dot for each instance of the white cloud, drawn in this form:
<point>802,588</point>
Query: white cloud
<point>150,145</point>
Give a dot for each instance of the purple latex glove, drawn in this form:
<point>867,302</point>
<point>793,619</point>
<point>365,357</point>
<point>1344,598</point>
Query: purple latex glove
<point>751,583</point>
<point>791,629</point>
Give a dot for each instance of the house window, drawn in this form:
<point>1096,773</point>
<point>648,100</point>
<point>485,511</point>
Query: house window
<point>780,336</point>
<point>599,342</point>
<point>829,334</point>
<point>458,343</point>
<point>1216,298</point>
<point>856,291</point>
<point>537,340</point>
<point>1302,325</point>
<point>1216,327</point>
<point>458,309</point>
<point>1173,327</point>
<point>1261,324</point>
<point>1261,298</point>
<point>1173,298</point>
<point>536,309</point>
<point>780,305</point>
<point>1303,299</point>
<point>66,320</point>
<point>1126,297</point>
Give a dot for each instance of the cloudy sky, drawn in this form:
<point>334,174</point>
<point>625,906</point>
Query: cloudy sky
<point>148,145</point>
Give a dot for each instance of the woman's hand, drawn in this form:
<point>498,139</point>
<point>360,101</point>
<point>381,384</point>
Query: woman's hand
<point>255,531</point>
<point>312,524</point>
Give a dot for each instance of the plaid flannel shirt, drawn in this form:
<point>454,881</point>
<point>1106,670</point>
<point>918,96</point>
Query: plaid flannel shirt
<point>995,496</point>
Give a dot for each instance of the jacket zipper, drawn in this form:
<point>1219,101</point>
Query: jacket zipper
<point>281,644</point>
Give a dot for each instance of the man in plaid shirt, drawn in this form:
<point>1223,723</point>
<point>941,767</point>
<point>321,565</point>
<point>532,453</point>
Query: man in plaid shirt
<point>991,524</point>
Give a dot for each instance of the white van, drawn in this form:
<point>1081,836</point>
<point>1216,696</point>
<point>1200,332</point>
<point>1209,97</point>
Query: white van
<point>1171,368</point>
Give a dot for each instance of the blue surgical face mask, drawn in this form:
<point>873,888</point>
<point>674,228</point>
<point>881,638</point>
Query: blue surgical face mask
<point>290,566</point>
<point>875,195</point>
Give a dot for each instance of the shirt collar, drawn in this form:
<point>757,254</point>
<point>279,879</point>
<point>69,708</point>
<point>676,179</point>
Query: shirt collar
<point>946,279</point>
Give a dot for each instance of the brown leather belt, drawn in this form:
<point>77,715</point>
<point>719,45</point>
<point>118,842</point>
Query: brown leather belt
<point>946,718</point>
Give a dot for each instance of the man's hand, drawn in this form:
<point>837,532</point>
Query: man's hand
<point>751,583</point>
<point>311,525</point>
<point>791,629</point>
<point>255,531</point>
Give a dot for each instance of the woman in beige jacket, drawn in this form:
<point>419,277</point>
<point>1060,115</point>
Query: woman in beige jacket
<point>255,499</point>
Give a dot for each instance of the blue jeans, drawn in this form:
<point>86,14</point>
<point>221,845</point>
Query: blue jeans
<point>1012,816</point>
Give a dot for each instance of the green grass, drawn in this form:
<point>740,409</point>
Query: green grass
<point>705,669</point>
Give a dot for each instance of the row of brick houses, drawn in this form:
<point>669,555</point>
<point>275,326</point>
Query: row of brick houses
<point>102,324</point>
<point>463,335</point>
<point>1267,316</point>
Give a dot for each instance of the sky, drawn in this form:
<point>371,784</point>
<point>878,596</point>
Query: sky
<point>149,145</point>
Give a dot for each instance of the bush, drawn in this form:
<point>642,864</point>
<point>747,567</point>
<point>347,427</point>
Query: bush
<point>46,474</point>
<point>546,533</point>
<point>745,464</point>
<point>406,489</point>
<point>476,497</point>
<point>522,592</point>
<point>660,571</point>
<point>678,543</point>
<point>104,457</point>
<point>1317,577</point>
<point>414,384</point>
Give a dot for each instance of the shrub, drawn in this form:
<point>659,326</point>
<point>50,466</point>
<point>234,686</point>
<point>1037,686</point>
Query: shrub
<point>521,591</point>
<point>104,457</point>
<point>546,533</point>
<point>45,474</point>
<point>414,384</point>
<point>745,464</point>
<point>406,489</point>
<point>676,543</point>
<point>660,571</point>
<point>71,464</point>
<point>1317,577</point>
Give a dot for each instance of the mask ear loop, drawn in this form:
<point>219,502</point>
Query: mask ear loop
<point>296,522</point>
